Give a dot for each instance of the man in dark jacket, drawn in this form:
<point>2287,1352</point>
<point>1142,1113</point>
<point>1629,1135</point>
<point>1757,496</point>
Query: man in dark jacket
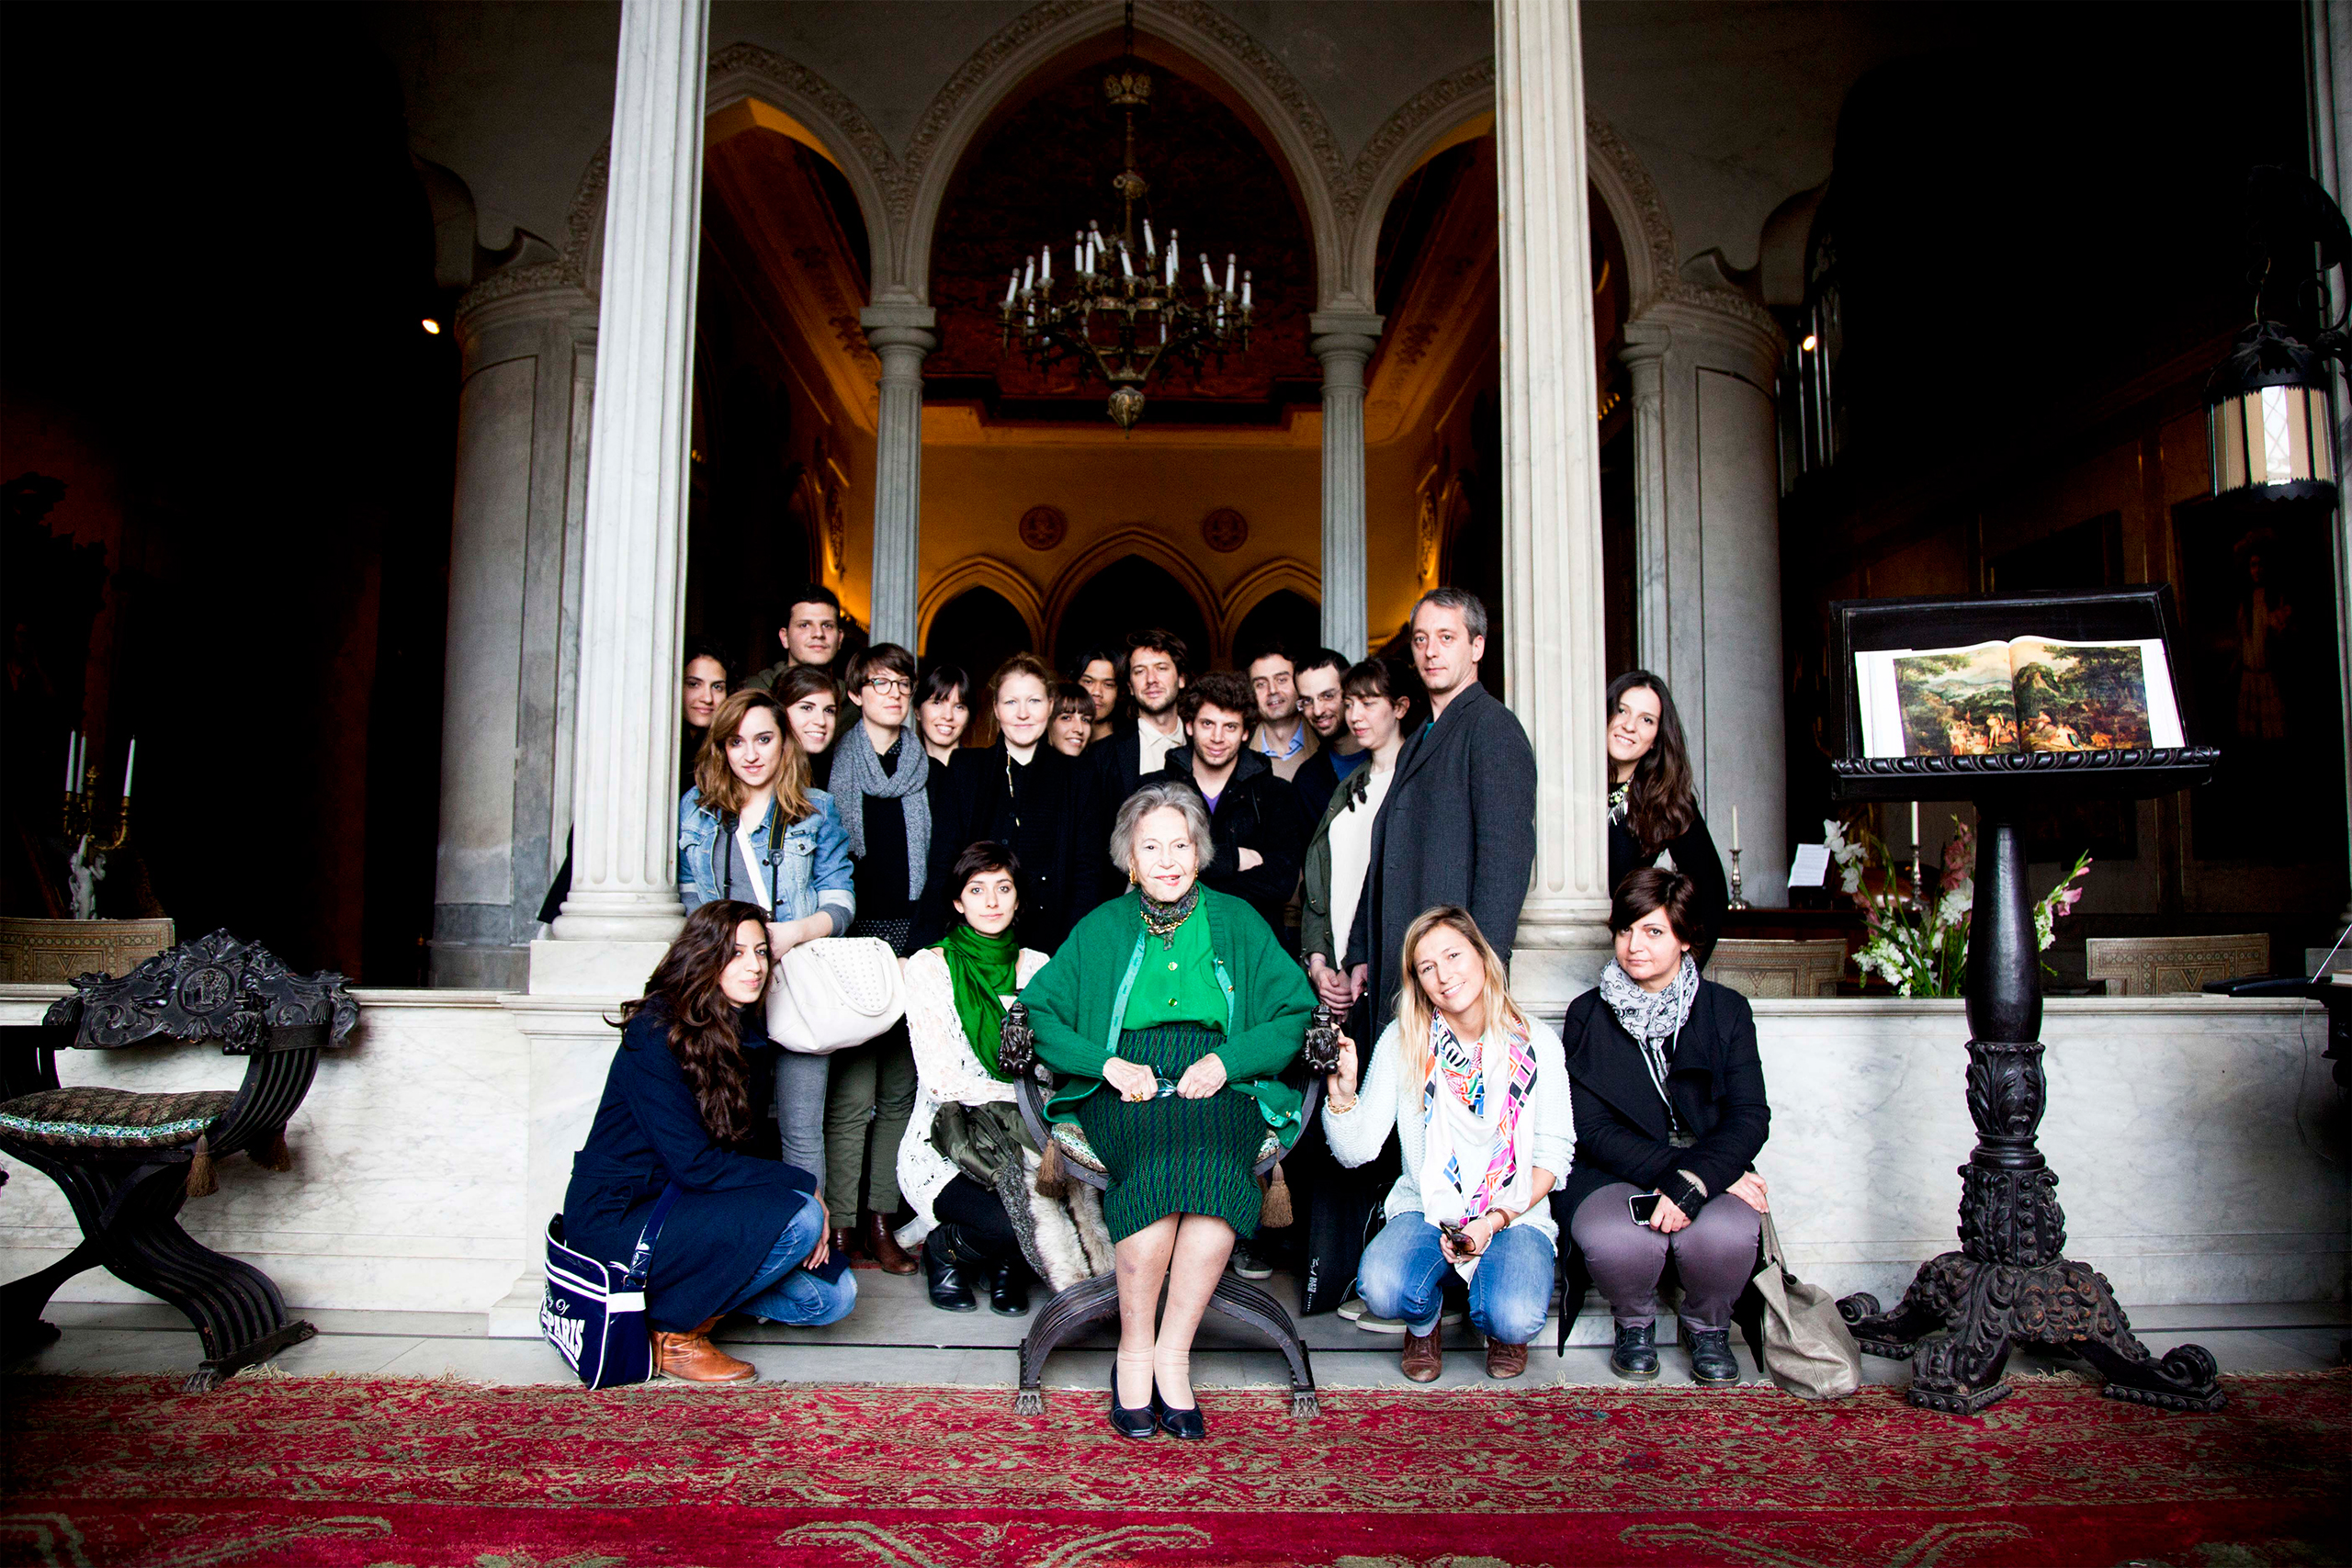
<point>1141,738</point>
<point>1459,823</point>
<point>1261,835</point>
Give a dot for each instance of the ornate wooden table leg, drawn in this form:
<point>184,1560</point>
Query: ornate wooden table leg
<point>2010,1283</point>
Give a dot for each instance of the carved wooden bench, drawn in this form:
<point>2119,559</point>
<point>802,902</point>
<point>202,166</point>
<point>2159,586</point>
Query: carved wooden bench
<point>128,1160</point>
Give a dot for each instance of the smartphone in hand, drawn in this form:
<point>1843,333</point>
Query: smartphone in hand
<point>1645,1206</point>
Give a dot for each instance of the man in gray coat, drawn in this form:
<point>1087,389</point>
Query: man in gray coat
<point>1459,824</point>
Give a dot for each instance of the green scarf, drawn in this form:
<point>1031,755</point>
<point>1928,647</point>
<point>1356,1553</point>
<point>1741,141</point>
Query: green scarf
<point>983,971</point>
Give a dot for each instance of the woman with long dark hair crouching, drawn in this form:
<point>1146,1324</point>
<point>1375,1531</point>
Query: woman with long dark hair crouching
<point>747,1234</point>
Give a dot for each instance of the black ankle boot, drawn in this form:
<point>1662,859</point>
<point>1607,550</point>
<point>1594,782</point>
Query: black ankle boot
<point>1712,1362</point>
<point>1637,1352</point>
<point>1009,1291</point>
<point>943,1265</point>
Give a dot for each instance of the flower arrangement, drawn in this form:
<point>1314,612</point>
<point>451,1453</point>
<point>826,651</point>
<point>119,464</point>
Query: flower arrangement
<point>1917,945</point>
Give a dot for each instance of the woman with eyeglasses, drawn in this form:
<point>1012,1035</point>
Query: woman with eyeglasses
<point>881,785</point>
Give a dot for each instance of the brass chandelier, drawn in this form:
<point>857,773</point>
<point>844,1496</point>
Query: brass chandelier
<point>1125,306</point>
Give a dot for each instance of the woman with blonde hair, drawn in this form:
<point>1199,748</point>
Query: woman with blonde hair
<point>753,828</point>
<point>1477,1093</point>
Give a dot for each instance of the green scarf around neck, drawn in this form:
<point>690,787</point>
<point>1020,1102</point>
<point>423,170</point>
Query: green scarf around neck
<point>984,970</point>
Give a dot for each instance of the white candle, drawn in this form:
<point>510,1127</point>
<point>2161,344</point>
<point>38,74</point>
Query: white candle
<point>1915,824</point>
<point>1044,264</point>
<point>1029,276</point>
<point>1012,287</point>
<point>129,761</point>
<point>1147,246</point>
<point>1734,828</point>
<point>1126,267</point>
<point>1208,279</point>
<point>1228,272</point>
<point>70,736</point>
<point>1245,291</point>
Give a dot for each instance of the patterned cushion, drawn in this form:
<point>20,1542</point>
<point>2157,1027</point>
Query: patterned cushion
<point>94,1117</point>
<point>1073,1138</point>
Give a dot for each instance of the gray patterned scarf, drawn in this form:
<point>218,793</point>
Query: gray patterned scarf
<point>1652,1018</point>
<point>857,773</point>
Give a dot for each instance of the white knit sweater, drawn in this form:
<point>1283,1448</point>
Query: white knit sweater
<point>946,1070</point>
<point>1547,1131</point>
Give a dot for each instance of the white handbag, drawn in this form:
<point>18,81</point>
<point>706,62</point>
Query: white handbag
<point>834,992</point>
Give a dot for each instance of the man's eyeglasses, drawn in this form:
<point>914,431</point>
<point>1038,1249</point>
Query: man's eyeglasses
<point>891,685</point>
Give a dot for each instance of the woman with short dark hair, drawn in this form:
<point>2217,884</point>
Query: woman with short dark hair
<point>685,1089</point>
<point>1670,1115</point>
<point>943,710</point>
<point>1073,722</point>
<point>1653,806</point>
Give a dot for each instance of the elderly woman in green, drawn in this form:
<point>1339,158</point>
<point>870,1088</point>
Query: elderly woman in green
<point>1171,1012</point>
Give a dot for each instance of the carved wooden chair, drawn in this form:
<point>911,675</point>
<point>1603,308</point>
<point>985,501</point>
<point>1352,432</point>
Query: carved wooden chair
<point>1092,1300</point>
<point>128,1160</point>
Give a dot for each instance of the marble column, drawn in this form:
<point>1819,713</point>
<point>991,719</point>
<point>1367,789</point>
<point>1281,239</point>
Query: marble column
<point>1707,525</point>
<point>2328,56</point>
<point>1554,658</point>
<point>624,903</point>
<point>529,370</point>
<point>901,335</point>
<point>1344,342</point>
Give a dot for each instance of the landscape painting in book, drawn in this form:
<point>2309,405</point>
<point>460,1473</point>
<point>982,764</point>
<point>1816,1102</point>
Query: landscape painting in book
<point>2080,697</point>
<point>1957,702</point>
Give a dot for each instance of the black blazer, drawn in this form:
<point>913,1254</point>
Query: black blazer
<point>1056,828</point>
<point>1695,857</point>
<point>1258,810</point>
<point>1717,1081</point>
<point>1458,827</point>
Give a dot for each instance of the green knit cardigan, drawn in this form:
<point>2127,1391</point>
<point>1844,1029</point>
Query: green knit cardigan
<point>1070,1003</point>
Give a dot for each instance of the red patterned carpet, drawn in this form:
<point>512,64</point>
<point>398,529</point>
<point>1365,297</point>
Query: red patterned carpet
<point>367,1473</point>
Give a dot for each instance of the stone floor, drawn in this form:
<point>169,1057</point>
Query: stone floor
<point>897,1336</point>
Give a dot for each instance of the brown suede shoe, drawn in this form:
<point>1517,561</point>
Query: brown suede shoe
<point>1424,1358</point>
<point>874,1239</point>
<point>691,1358</point>
<point>1505,1361</point>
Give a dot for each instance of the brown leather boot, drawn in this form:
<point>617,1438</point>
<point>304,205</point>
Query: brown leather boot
<point>843,1243</point>
<point>1424,1358</point>
<point>1505,1361</point>
<point>874,1239</point>
<point>691,1358</point>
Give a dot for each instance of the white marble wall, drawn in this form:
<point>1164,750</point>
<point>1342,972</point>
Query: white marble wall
<point>2185,1132</point>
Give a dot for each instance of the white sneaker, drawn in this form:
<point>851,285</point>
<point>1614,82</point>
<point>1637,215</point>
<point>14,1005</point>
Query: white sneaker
<point>1352,1308</point>
<point>1248,1265</point>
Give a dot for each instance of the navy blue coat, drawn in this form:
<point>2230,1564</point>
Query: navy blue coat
<point>647,1133</point>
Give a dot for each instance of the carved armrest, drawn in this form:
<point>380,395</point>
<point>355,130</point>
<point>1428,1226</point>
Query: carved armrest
<point>1016,1050</point>
<point>1320,1050</point>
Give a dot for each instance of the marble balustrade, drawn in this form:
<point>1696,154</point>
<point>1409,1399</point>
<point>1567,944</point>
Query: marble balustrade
<point>2188,1134</point>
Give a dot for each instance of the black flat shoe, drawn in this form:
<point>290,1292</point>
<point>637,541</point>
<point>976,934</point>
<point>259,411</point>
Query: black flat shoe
<point>1712,1362</point>
<point>1185,1423</point>
<point>1009,1291</point>
<point>1139,1423</point>
<point>1637,1352</point>
<point>943,1275</point>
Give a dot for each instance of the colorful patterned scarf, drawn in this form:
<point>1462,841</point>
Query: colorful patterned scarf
<point>1455,1121</point>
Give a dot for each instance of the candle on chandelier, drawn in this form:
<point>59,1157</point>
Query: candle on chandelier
<point>1029,277</point>
<point>1208,279</point>
<point>1012,287</point>
<point>1147,237</point>
<point>1245,291</point>
<point>1228,272</point>
<point>130,761</point>
<point>1044,264</point>
<point>1126,267</point>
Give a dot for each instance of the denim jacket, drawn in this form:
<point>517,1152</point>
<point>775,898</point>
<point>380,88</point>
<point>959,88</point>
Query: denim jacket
<point>809,870</point>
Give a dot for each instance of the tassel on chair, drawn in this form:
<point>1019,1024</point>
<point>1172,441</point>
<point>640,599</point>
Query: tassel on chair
<point>1274,1211</point>
<point>274,1155</point>
<point>201,1182</point>
<point>1053,1181</point>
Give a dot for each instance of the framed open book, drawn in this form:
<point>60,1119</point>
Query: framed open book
<point>2025,693</point>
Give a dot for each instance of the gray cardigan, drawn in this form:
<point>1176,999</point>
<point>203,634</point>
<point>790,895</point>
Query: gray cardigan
<point>1458,827</point>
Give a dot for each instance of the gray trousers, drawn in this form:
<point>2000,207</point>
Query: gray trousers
<point>800,1113</point>
<point>1715,1255</point>
<point>871,1096</point>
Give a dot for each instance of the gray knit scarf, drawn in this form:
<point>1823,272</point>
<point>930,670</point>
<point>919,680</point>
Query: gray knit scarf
<point>1652,1018</point>
<point>857,773</point>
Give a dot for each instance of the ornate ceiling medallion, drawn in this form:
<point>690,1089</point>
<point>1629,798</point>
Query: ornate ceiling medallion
<point>1225,530</point>
<point>1042,527</point>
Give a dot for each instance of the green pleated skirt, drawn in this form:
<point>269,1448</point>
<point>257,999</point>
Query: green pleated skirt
<point>1174,1156</point>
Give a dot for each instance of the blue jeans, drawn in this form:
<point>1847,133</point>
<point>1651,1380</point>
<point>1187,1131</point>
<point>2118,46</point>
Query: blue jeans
<point>1404,1273</point>
<point>783,1292</point>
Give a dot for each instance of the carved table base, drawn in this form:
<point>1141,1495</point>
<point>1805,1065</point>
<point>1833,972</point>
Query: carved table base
<point>1962,1316</point>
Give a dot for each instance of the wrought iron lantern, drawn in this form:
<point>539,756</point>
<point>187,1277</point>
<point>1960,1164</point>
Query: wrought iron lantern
<point>2267,419</point>
<point>2268,416</point>
<point>1126,304</point>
